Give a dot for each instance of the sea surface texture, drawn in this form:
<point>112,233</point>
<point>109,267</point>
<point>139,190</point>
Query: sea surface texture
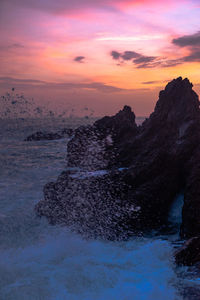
<point>39,261</point>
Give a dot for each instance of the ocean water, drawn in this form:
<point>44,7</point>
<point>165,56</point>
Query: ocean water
<point>43,262</point>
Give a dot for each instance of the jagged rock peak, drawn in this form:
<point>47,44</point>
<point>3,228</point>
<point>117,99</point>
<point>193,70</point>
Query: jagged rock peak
<point>126,112</point>
<point>127,108</point>
<point>179,90</point>
<point>121,119</point>
<point>178,83</point>
<point>177,102</point>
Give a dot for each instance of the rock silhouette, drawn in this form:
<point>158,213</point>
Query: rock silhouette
<point>122,179</point>
<point>189,253</point>
<point>97,146</point>
<point>41,135</point>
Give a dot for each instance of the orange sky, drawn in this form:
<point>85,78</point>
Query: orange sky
<point>100,54</point>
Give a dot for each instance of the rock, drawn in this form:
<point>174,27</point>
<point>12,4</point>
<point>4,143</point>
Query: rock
<point>189,253</point>
<point>41,135</point>
<point>92,205</point>
<point>191,209</point>
<point>129,176</point>
<point>97,146</point>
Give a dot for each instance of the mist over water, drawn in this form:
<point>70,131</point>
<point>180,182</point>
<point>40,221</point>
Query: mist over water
<point>44,262</point>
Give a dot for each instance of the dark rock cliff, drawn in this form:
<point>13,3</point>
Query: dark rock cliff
<point>122,179</point>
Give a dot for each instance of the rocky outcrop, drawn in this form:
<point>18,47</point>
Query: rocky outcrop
<point>122,179</point>
<point>191,209</point>
<point>189,253</point>
<point>97,146</point>
<point>92,204</point>
<point>41,135</point>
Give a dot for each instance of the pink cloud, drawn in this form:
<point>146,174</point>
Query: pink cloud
<point>63,6</point>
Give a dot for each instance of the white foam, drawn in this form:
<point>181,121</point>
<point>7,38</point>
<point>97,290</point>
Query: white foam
<point>63,266</point>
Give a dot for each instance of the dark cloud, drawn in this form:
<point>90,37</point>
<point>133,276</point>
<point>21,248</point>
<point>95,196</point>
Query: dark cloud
<point>146,62</point>
<point>162,63</point>
<point>31,83</point>
<point>151,82</point>
<point>188,40</point>
<point>140,60</point>
<point>16,45</point>
<point>60,7</point>
<point>144,59</point>
<point>148,65</point>
<point>194,56</point>
<point>79,59</point>
<point>128,55</point>
<point>156,81</point>
<point>192,42</point>
<point>11,47</point>
<point>168,63</point>
<point>11,80</point>
<point>124,56</point>
<point>115,54</point>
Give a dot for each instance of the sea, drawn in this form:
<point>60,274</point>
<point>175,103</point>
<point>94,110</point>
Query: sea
<point>39,261</point>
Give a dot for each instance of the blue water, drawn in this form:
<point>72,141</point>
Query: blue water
<point>43,262</point>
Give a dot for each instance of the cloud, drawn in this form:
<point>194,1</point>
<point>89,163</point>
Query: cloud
<point>115,54</point>
<point>151,82</point>
<point>155,81</point>
<point>10,82</point>
<point>62,7</point>
<point>188,40</point>
<point>145,62</point>
<point>128,55</point>
<point>168,63</point>
<point>140,60</point>
<point>160,62</point>
<point>144,59</point>
<point>194,56</point>
<point>79,59</point>
<point>16,45</point>
<point>11,47</point>
<point>192,42</point>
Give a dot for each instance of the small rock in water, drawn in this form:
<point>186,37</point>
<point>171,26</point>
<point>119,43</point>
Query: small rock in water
<point>41,135</point>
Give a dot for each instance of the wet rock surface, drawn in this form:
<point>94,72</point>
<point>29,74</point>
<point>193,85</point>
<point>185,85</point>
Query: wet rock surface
<point>41,135</point>
<point>189,253</point>
<point>97,146</point>
<point>122,179</point>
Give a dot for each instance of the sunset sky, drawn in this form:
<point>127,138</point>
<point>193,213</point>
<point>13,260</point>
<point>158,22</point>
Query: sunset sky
<point>98,53</point>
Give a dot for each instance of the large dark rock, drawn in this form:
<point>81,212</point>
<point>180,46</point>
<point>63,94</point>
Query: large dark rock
<point>97,146</point>
<point>41,135</point>
<point>191,209</point>
<point>189,253</point>
<point>95,206</point>
<point>146,167</point>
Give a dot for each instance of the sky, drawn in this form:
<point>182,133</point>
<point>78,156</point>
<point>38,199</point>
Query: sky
<point>98,54</point>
